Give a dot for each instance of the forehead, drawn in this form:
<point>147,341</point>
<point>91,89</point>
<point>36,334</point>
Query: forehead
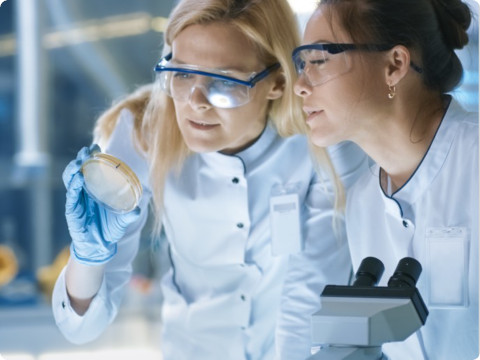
<point>324,27</point>
<point>215,46</point>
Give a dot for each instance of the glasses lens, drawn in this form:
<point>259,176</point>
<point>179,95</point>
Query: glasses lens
<point>226,94</point>
<point>180,84</point>
<point>319,66</point>
<point>219,92</point>
<point>164,78</point>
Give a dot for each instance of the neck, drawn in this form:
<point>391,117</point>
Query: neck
<point>398,142</point>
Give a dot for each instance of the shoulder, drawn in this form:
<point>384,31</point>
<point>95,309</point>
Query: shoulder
<point>366,185</point>
<point>126,117</point>
<point>121,144</point>
<point>467,122</point>
<point>292,140</point>
<point>296,145</point>
<point>457,113</point>
<point>349,161</point>
<point>122,134</point>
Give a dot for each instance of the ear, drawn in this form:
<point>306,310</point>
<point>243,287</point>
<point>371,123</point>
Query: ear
<point>278,86</point>
<point>398,64</point>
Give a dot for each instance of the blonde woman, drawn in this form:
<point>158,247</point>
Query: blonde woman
<point>204,140</point>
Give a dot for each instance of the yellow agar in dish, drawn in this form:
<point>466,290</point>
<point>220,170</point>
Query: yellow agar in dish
<point>111,182</point>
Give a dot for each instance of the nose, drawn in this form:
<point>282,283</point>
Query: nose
<point>198,100</point>
<point>301,87</point>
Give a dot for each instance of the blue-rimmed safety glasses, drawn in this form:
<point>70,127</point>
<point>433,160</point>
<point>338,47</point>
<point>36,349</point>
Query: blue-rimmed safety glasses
<point>319,63</point>
<point>222,88</point>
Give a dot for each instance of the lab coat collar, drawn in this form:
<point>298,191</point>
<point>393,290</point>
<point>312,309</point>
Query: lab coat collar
<point>244,159</point>
<point>431,163</point>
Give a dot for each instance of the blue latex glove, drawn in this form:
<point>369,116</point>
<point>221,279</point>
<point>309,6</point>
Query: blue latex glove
<point>94,229</point>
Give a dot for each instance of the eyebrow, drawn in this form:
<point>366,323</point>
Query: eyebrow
<point>232,69</point>
<point>320,41</point>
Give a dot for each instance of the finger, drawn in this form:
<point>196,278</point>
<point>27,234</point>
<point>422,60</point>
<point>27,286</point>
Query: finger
<point>74,195</point>
<point>71,169</point>
<point>83,154</point>
<point>125,220</point>
<point>94,148</point>
<point>74,166</point>
<point>133,215</point>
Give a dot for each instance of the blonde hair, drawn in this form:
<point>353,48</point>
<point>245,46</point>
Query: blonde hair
<point>136,103</point>
<point>272,28</point>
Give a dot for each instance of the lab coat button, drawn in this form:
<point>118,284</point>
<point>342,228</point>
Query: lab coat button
<point>405,223</point>
<point>243,297</point>
<point>63,304</point>
<point>235,180</point>
<point>240,225</point>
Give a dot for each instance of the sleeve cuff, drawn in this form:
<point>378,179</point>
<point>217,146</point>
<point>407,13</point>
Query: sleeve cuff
<point>77,328</point>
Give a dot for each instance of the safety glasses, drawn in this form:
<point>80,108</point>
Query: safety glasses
<point>319,63</point>
<point>222,88</point>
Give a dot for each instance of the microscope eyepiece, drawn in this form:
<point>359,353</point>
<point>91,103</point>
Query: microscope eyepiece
<point>406,274</point>
<point>369,272</point>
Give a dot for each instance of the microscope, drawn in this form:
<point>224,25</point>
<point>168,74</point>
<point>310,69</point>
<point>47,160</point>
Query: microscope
<point>354,321</point>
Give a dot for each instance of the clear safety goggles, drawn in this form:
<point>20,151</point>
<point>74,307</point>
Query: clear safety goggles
<point>222,88</point>
<point>319,63</point>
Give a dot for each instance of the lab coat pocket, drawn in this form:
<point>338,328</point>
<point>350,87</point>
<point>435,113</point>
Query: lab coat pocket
<point>220,312</point>
<point>285,220</point>
<point>447,267</point>
<point>175,308</point>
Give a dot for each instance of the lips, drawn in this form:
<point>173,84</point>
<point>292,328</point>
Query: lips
<point>200,125</point>
<point>311,113</point>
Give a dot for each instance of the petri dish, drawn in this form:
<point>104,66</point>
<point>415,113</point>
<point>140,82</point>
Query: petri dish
<point>111,182</point>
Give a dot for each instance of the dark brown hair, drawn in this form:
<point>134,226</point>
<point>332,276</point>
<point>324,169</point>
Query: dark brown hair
<point>431,29</point>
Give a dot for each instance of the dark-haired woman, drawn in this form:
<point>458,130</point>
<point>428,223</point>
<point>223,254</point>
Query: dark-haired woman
<point>377,73</point>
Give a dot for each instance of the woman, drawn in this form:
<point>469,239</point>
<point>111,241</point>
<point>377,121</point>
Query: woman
<point>377,73</point>
<point>224,184</point>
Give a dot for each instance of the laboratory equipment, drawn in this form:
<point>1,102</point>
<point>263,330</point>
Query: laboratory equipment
<point>354,321</point>
<point>47,275</point>
<point>111,182</point>
<point>8,265</point>
<point>11,259</point>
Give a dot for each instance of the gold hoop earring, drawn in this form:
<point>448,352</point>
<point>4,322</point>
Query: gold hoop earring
<point>391,91</point>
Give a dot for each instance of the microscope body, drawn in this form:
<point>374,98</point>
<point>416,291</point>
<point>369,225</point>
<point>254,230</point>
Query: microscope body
<point>354,321</point>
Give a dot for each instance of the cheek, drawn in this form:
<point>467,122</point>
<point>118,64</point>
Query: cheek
<point>339,100</point>
<point>178,109</point>
<point>253,113</point>
<point>349,93</point>
<point>241,122</point>
<point>335,96</point>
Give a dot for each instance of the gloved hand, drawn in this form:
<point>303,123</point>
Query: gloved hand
<point>94,229</point>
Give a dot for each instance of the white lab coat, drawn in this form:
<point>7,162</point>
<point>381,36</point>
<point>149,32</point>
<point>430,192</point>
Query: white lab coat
<point>433,218</point>
<point>222,295</point>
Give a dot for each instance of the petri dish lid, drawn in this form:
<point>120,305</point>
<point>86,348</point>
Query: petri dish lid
<point>111,182</point>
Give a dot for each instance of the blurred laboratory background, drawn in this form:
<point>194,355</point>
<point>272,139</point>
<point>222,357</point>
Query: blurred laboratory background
<point>63,62</point>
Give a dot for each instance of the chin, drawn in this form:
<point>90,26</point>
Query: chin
<point>323,136</point>
<point>200,147</point>
<point>321,141</point>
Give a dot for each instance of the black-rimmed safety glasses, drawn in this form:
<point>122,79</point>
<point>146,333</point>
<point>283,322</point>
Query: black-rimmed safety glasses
<point>320,63</point>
